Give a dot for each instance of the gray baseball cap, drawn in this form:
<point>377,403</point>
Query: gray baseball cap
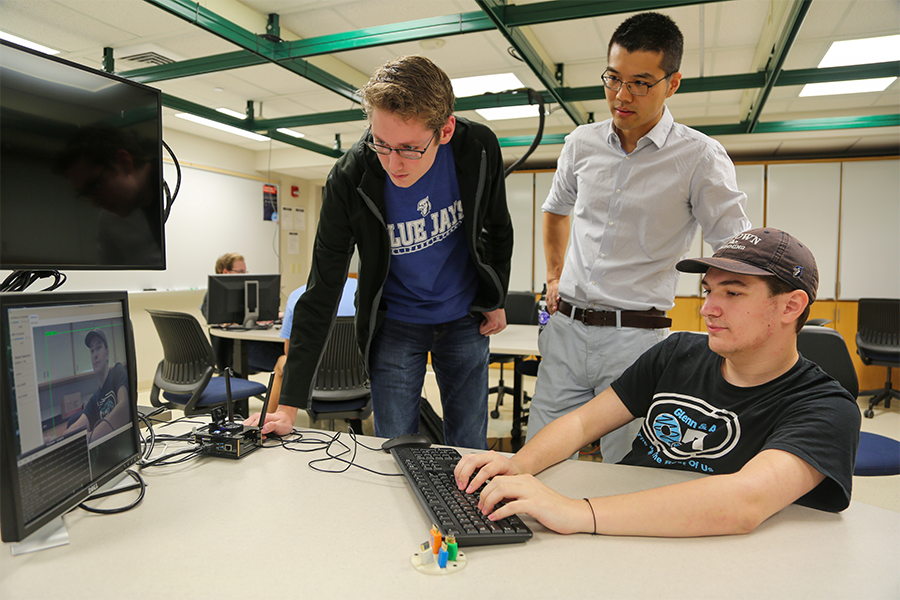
<point>763,252</point>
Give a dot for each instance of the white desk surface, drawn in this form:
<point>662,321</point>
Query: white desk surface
<point>515,339</point>
<point>269,525</point>
<point>259,335</point>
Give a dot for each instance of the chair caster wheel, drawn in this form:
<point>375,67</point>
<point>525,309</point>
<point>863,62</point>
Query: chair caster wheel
<point>495,414</point>
<point>869,413</point>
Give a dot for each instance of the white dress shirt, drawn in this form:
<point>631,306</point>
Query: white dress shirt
<point>635,215</point>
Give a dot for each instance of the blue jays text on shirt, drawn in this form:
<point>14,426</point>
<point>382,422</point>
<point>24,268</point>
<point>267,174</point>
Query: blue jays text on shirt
<point>431,228</point>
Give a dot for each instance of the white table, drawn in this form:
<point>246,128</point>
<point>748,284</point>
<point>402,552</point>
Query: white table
<point>517,340</point>
<point>239,353</point>
<point>269,525</point>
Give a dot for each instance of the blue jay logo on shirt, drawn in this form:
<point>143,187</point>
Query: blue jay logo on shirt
<point>434,226</point>
<point>683,429</point>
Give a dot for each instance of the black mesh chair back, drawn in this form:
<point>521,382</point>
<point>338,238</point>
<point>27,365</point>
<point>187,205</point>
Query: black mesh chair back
<point>188,357</point>
<point>521,308</point>
<point>341,388</point>
<point>826,348</point>
<point>185,375</point>
<point>878,343</point>
<point>876,454</point>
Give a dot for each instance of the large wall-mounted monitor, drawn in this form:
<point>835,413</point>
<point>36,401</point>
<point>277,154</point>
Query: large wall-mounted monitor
<point>80,167</point>
<point>68,420</point>
<point>243,299</point>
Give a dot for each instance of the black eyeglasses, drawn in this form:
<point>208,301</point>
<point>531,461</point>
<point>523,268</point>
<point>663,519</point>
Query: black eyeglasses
<point>635,88</point>
<point>407,153</point>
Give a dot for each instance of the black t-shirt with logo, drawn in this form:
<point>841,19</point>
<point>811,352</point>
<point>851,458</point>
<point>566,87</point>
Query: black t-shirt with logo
<point>697,421</point>
<point>105,398</point>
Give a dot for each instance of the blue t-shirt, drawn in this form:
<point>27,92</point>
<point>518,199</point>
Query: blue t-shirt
<point>346,308</point>
<point>431,278</point>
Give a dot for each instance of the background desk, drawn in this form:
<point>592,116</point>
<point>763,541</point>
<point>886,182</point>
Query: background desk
<point>517,340</point>
<point>520,341</point>
<point>241,356</point>
<point>269,525</point>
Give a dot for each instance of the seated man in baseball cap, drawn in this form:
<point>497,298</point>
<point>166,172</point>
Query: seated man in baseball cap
<point>108,408</point>
<point>740,404</point>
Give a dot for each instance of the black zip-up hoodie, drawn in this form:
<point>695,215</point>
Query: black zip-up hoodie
<point>353,214</point>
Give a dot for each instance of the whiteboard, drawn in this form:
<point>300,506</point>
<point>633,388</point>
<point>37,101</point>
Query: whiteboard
<point>804,200</point>
<point>214,213</point>
<point>870,222</point>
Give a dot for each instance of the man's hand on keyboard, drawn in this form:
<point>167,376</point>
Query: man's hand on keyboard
<point>474,469</point>
<point>523,494</point>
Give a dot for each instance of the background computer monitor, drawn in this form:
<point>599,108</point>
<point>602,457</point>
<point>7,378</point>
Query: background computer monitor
<point>63,434</point>
<point>80,167</point>
<point>228,297</point>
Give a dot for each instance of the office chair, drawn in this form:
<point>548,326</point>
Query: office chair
<point>877,454</point>
<point>878,343</point>
<point>341,389</point>
<point>521,309</point>
<point>186,374</point>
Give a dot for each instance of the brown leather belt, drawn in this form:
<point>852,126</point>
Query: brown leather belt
<point>643,319</point>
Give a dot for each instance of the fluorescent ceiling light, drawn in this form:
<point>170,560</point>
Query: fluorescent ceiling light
<point>862,52</point>
<point>833,88</point>
<point>34,46</point>
<point>290,132</point>
<point>482,84</point>
<point>231,113</point>
<point>510,112</point>
<point>222,126</point>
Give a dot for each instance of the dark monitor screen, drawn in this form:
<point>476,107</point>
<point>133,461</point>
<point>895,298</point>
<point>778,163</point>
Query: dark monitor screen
<point>80,167</point>
<point>63,431</point>
<point>243,299</point>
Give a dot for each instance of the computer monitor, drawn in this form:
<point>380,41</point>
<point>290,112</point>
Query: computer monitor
<point>243,299</point>
<point>80,167</point>
<point>68,421</point>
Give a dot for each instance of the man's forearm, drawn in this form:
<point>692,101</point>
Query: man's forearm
<point>556,238</point>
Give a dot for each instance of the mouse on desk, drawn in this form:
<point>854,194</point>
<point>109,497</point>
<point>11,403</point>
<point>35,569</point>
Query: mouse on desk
<point>407,440</point>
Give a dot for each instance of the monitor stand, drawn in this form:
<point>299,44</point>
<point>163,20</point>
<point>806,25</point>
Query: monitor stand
<point>54,533</point>
<point>51,535</point>
<point>251,304</point>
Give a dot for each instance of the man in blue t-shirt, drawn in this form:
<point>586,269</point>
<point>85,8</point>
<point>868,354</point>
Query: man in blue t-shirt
<point>740,404</point>
<point>345,309</point>
<point>422,199</point>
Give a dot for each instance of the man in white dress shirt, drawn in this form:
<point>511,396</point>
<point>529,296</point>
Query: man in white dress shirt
<point>640,186</point>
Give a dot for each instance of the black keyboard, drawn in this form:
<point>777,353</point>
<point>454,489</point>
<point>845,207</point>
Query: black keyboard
<point>430,474</point>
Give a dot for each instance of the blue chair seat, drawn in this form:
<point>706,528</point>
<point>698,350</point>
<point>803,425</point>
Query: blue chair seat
<point>877,455</point>
<point>214,393</point>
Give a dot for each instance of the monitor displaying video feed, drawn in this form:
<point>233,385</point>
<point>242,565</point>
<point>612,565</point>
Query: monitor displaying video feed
<point>68,419</point>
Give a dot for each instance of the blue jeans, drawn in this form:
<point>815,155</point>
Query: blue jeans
<point>459,358</point>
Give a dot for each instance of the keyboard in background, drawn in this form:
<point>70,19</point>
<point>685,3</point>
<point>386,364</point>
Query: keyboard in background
<point>429,472</point>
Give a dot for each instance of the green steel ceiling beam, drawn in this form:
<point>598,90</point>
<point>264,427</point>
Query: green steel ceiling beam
<point>828,124</point>
<point>546,74</point>
<point>526,140</point>
<point>566,10</point>
<point>738,129</point>
<point>176,103</point>
<point>206,19</point>
<point>194,66</point>
<point>829,74</point>
<point>304,144</point>
<point>776,61</point>
<point>409,31</point>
